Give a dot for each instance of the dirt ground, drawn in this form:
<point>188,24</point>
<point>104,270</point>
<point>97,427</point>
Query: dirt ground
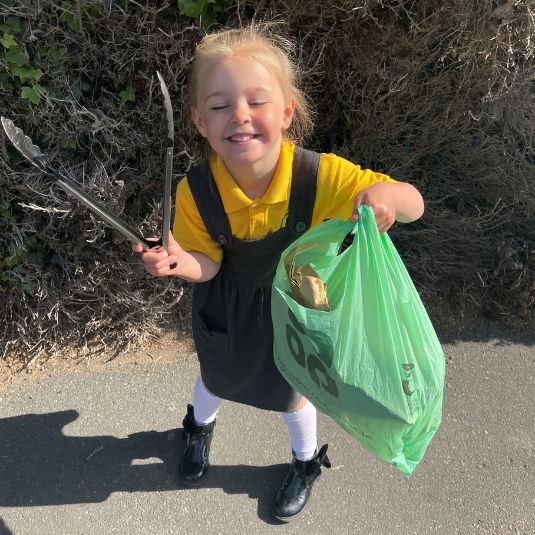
<point>176,342</point>
<point>167,348</point>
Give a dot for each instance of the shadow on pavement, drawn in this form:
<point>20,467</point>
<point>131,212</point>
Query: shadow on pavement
<point>39,465</point>
<point>4,529</point>
<point>488,331</point>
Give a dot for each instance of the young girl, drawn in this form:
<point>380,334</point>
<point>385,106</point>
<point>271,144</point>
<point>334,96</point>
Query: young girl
<point>234,216</point>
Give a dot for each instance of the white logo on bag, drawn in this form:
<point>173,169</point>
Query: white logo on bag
<point>406,382</point>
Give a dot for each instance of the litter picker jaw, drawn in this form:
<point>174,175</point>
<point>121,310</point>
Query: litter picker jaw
<point>34,155</point>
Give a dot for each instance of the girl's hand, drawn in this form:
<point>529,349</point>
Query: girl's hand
<point>157,262</point>
<point>381,199</point>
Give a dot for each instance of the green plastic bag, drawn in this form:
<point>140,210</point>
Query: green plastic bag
<point>371,361</point>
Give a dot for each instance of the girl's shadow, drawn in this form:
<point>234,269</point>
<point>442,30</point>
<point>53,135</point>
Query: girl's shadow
<point>39,465</point>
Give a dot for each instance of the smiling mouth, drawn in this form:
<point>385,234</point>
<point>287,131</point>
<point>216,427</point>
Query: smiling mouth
<point>242,138</point>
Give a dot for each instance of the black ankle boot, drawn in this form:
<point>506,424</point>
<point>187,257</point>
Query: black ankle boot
<point>194,462</point>
<point>295,491</point>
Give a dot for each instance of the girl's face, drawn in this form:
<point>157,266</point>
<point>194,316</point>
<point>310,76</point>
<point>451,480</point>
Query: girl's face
<point>242,111</point>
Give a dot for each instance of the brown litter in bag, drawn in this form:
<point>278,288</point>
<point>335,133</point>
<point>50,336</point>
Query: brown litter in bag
<point>306,286</point>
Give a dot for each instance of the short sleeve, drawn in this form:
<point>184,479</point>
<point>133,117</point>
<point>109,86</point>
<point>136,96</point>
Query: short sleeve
<point>339,182</point>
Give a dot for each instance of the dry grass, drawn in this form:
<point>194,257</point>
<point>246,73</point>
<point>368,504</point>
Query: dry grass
<point>436,93</point>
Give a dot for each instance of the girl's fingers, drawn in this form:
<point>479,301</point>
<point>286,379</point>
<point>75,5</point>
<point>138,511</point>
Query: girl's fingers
<point>385,222</point>
<point>138,248</point>
<point>359,199</point>
<point>161,267</point>
<point>156,261</point>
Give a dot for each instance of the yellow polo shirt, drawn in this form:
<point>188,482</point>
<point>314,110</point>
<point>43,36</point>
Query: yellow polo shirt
<point>339,182</point>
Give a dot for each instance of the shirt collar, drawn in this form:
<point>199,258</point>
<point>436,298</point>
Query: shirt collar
<point>278,191</point>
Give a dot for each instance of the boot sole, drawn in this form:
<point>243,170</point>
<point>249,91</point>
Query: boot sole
<point>191,482</point>
<point>287,519</point>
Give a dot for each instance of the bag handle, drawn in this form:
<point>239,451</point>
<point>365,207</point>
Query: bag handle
<point>350,236</point>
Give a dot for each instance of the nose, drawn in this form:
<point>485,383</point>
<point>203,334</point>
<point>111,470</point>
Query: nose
<point>240,112</point>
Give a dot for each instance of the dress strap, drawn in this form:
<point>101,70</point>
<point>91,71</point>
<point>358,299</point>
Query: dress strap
<point>303,192</point>
<point>209,203</point>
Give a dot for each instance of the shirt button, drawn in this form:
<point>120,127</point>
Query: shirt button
<point>300,226</point>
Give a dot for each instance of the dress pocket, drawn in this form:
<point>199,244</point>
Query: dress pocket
<point>207,340</point>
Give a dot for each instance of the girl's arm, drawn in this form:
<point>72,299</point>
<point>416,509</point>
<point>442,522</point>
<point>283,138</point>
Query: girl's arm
<point>390,202</point>
<point>191,265</point>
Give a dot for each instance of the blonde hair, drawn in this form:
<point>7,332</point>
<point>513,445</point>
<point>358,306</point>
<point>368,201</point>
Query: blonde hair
<point>272,51</point>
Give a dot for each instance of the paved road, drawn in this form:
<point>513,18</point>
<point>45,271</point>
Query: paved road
<point>94,453</point>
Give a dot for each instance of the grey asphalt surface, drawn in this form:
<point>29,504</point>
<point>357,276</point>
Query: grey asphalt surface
<point>95,452</point>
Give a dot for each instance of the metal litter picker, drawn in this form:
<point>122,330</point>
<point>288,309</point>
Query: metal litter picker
<point>34,155</point>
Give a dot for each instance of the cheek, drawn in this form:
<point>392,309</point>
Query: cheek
<point>212,126</point>
<point>209,122</point>
<point>273,120</point>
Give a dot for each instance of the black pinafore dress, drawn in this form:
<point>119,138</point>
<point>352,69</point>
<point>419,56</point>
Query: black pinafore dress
<point>232,327</point>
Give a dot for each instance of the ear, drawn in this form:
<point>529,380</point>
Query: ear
<point>198,121</point>
<point>288,113</point>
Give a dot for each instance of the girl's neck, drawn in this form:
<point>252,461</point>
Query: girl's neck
<point>253,178</point>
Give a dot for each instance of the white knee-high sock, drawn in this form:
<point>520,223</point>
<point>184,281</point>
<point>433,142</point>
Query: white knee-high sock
<point>302,430</point>
<point>205,404</point>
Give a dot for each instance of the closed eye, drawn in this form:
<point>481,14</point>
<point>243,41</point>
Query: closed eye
<point>256,104</point>
<point>217,108</point>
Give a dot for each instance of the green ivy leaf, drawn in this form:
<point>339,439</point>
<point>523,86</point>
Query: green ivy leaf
<point>15,56</point>
<point>208,18</point>
<point>90,11</point>
<point>68,143</point>
<point>32,94</point>
<point>42,50</point>
<point>13,259</point>
<point>8,40</point>
<point>14,24</point>
<point>28,288</point>
<point>128,95</point>
<point>193,8</point>
<point>58,54</point>
<point>27,74</point>
<point>70,20</point>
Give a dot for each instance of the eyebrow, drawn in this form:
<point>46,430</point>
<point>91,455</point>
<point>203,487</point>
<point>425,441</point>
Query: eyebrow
<point>215,94</point>
<point>225,94</point>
